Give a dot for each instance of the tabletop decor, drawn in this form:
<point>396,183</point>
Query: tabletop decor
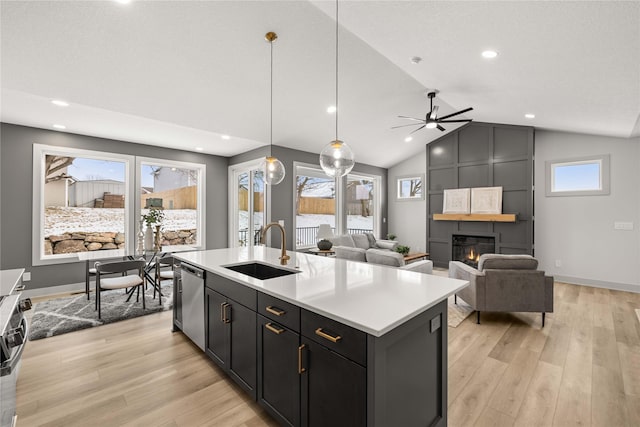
<point>154,216</point>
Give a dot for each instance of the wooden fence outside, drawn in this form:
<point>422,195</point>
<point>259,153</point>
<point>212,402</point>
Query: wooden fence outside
<point>243,200</point>
<point>179,198</point>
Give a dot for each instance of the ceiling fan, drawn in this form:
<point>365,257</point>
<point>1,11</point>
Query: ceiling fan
<point>432,120</point>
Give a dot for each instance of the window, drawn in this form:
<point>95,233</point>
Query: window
<point>84,201</point>
<point>410,188</point>
<point>178,189</point>
<point>362,203</point>
<point>81,203</point>
<point>315,203</point>
<point>247,203</point>
<point>587,176</point>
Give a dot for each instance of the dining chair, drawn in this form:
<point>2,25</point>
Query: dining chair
<point>163,274</point>
<point>120,282</point>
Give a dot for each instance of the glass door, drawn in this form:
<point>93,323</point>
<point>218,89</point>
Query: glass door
<point>247,204</point>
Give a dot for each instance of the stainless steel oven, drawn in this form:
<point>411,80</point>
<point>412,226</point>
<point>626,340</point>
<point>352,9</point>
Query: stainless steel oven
<point>14,334</point>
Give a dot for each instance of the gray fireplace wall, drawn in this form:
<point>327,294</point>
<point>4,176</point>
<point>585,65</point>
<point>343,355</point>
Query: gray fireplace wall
<point>482,155</point>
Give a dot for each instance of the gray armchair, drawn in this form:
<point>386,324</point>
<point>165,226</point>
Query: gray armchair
<point>505,283</point>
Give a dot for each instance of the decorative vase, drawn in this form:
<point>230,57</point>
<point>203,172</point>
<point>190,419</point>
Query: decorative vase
<point>148,238</point>
<point>158,239</point>
<point>140,245</point>
<point>324,245</point>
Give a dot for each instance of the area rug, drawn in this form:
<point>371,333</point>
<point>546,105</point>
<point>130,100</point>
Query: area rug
<point>62,315</point>
<point>456,313</point>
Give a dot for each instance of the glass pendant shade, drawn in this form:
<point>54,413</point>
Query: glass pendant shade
<point>337,159</point>
<point>273,170</point>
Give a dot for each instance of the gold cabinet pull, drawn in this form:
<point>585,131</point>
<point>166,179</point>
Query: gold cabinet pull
<point>301,369</point>
<point>275,310</point>
<point>273,329</point>
<point>227,318</point>
<point>326,336</point>
<point>222,319</point>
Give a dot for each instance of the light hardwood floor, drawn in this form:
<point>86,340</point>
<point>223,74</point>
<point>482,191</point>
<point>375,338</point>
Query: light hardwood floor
<point>583,369</point>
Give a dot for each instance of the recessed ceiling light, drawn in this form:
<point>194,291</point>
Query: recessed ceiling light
<point>59,103</point>
<point>199,149</point>
<point>123,1</point>
<point>332,109</point>
<point>489,54</point>
<point>59,126</point>
<point>408,139</point>
<point>225,137</point>
<point>415,60</point>
<point>530,116</point>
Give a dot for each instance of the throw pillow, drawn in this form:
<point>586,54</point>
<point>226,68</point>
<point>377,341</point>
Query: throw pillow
<point>343,240</point>
<point>372,239</point>
<point>386,244</point>
<point>361,241</point>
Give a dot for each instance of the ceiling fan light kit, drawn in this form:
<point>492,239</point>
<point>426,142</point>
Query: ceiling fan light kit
<point>336,158</point>
<point>431,120</point>
<point>272,168</point>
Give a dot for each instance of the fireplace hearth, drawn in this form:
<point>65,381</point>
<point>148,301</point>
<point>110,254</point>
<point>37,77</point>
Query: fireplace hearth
<point>468,249</point>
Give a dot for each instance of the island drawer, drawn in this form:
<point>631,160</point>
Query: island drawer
<point>279,311</point>
<point>234,290</point>
<point>344,340</point>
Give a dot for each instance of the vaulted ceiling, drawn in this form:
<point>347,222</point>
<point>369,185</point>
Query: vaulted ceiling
<point>182,73</point>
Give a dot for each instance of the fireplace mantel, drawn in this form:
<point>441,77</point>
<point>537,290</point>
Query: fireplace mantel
<point>475,217</point>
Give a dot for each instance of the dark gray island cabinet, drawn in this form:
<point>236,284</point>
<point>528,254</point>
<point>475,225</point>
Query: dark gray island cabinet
<point>308,370</point>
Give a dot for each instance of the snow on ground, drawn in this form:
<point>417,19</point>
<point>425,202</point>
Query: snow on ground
<point>59,220</point>
<point>312,220</point>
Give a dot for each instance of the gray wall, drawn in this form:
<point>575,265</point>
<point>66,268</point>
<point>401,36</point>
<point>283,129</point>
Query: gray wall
<point>282,194</point>
<point>482,155</point>
<point>16,188</point>
<point>408,218</point>
<point>579,231</point>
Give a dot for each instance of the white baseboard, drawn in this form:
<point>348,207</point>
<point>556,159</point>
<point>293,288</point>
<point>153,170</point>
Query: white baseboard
<point>627,287</point>
<point>53,290</point>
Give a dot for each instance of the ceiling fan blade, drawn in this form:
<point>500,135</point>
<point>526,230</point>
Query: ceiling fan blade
<point>417,129</point>
<point>455,121</point>
<point>455,114</point>
<point>411,118</point>
<point>441,128</point>
<point>401,126</point>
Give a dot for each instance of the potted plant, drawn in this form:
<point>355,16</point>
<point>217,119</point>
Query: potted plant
<point>391,236</point>
<point>404,250</point>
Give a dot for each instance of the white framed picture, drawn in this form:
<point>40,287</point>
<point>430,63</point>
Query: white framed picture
<point>456,201</point>
<point>486,200</point>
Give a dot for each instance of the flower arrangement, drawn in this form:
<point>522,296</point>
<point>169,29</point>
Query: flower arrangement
<point>154,216</point>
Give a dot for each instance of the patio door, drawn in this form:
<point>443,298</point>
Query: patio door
<point>247,204</point>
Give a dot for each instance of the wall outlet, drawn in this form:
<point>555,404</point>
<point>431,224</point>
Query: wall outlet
<point>558,263</point>
<point>26,276</point>
<point>623,226</point>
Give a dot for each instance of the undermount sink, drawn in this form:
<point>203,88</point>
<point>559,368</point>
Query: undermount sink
<point>259,271</point>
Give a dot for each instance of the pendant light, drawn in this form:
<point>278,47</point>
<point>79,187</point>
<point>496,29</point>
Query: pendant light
<point>272,167</point>
<point>336,158</point>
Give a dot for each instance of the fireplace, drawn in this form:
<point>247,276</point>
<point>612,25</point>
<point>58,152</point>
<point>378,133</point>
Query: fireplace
<point>468,249</point>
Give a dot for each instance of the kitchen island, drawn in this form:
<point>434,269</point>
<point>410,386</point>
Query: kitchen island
<point>332,342</point>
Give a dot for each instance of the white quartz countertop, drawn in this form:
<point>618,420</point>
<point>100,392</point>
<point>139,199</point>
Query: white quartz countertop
<point>372,298</point>
<point>9,279</point>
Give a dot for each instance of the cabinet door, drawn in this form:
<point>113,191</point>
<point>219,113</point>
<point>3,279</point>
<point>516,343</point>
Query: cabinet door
<point>334,389</point>
<point>242,345</point>
<point>278,377</point>
<point>216,329</point>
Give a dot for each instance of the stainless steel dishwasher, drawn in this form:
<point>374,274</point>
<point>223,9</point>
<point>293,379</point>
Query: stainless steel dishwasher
<point>193,303</point>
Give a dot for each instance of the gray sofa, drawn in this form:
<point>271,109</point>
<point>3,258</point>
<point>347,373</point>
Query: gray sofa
<point>505,283</point>
<point>366,248</point>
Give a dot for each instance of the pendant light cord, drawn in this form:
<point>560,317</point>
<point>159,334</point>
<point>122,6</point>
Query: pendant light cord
<point>271,106</point>
<point>337,109</point>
